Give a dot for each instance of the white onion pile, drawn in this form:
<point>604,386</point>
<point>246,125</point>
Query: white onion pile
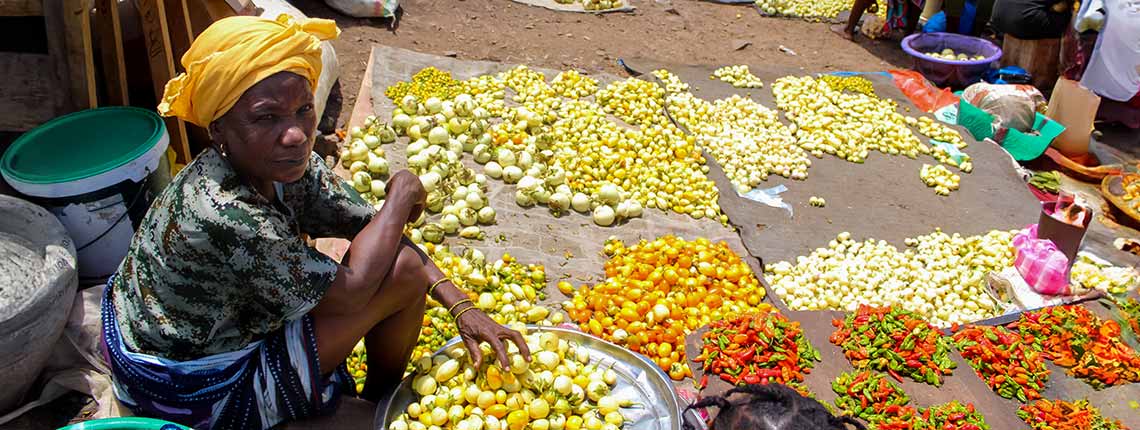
<point>940,277</point>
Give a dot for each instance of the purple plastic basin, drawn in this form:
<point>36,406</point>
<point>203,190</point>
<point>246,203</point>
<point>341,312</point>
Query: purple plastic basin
<point>951,73</point>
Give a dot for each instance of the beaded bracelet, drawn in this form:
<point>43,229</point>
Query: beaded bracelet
<point>461,313</point>
<point>452,308</point>
<point>436,284</point>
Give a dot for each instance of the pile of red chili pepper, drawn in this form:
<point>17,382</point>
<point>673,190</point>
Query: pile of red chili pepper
<point>870,396</point>
<point>1089,346</point>
<point>757,348</point>
<point>953,416</point>
<point>1011,364</point>
<point>896,341</point>
<point>1061,415</point>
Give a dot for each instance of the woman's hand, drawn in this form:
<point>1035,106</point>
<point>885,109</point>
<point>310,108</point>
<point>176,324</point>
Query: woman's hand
<point>475,327</point>
<point>404,189</point>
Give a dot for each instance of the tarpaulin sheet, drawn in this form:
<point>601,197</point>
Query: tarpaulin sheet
<point>883,198</point>
<point>574,7</point>
<point>569,246</point>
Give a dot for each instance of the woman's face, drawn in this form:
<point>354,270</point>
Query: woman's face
<point>269,133</point>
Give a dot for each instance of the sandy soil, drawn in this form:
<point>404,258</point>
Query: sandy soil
<point>677,31</point>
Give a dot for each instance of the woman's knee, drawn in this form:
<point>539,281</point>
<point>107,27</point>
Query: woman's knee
<point>410,271</point>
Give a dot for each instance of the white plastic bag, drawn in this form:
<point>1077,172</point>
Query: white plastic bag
<point>1114,68</point>
<point>330,68</point>
<point>365,8</point>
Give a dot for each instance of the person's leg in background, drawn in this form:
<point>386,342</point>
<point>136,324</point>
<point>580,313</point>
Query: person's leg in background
<point>848,32</point>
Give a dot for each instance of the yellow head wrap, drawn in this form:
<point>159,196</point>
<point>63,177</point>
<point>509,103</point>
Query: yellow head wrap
<point>236,53</point>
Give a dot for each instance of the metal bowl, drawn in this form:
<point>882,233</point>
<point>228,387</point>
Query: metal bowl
<point>638,378</point>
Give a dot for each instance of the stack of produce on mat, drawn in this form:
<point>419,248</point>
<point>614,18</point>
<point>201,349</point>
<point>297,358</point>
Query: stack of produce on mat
<point>1049,182</point>
<point>656,292</point>
<point>871,397</point>
<point>746,138</point>
<point>739,76</point>
<point>1090,274</point>
<point>854,83</point>
<point>1061,415</point>
<point>949,54</point>
<point>365,159</point>
<point>812,10</point>
<point>835,115</point>
<point>818,202</point>
<point>755,348</point>
<point>507,290</point>
<point>940,178</point>
<point>601,4</point>
<point>940,277</point>
<point>951,416</point>
<point>1011,364</point>
<point>559,389</point>
<point>1131,185</point>
<point>895,341</point>
<point>850,124</point>
<point>1130,310</point>
<point>1088,346</point>
<point>561,147</point>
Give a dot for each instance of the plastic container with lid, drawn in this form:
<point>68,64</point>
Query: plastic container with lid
<point>97,170</point>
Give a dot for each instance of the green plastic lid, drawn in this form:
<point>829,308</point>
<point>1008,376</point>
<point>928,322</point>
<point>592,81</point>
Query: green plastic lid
<point>81,145</point>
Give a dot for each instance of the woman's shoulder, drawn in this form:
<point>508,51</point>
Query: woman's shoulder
<point>208,197</point>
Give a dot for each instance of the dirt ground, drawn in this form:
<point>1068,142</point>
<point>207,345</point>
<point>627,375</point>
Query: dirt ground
<point>675,31</point>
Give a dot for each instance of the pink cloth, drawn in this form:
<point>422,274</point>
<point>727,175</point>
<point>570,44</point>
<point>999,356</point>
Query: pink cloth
<point>1044,267</point>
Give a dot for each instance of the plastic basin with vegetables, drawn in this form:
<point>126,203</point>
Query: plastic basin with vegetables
<point>946,72</point>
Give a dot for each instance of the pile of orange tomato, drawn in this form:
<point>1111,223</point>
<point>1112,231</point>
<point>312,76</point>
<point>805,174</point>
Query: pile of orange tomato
<point>657,292</point>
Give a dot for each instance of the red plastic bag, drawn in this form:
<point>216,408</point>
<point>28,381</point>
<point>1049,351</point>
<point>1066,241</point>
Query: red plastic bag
<point>921,92</point>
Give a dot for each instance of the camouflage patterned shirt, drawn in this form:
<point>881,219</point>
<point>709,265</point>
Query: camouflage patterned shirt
<point>214,265</point>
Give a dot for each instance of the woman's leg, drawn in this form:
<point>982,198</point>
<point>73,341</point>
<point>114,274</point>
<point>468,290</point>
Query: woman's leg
<point>913,13</point>
<point>857,10</point>
<point>390,344</point>
<point>390,322</point>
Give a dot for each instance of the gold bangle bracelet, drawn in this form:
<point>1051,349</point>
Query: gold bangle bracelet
<point>461,313</point>
<point>436,284</point>
<point>452,308</point>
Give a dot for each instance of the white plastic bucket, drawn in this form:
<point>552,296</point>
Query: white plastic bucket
<point>100,205</point>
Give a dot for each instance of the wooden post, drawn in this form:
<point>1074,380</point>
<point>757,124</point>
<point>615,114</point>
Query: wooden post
<point>68,24</point>
<point>114,64</point>
<point>157,37</point>
<point>181,33</point>
<point>21,8</point>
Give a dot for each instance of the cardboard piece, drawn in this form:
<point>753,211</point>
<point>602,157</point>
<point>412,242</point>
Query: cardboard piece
<point>1074,106</point>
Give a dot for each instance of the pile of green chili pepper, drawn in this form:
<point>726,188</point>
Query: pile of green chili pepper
<point>757,348</point>
<point>1087,345</point>
<point>1061,415</point>
<point>1131,310</point>
<point>896,341</point>
<point>1011,364</point>
<point>872,397</point>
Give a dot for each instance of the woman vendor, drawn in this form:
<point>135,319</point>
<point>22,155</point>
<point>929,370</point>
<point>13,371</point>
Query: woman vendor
<point>221,316</point>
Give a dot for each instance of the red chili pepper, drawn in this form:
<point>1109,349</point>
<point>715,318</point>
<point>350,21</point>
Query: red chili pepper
<point>766,343</point>
<point>916,348</point>
<point>1090,347</point>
